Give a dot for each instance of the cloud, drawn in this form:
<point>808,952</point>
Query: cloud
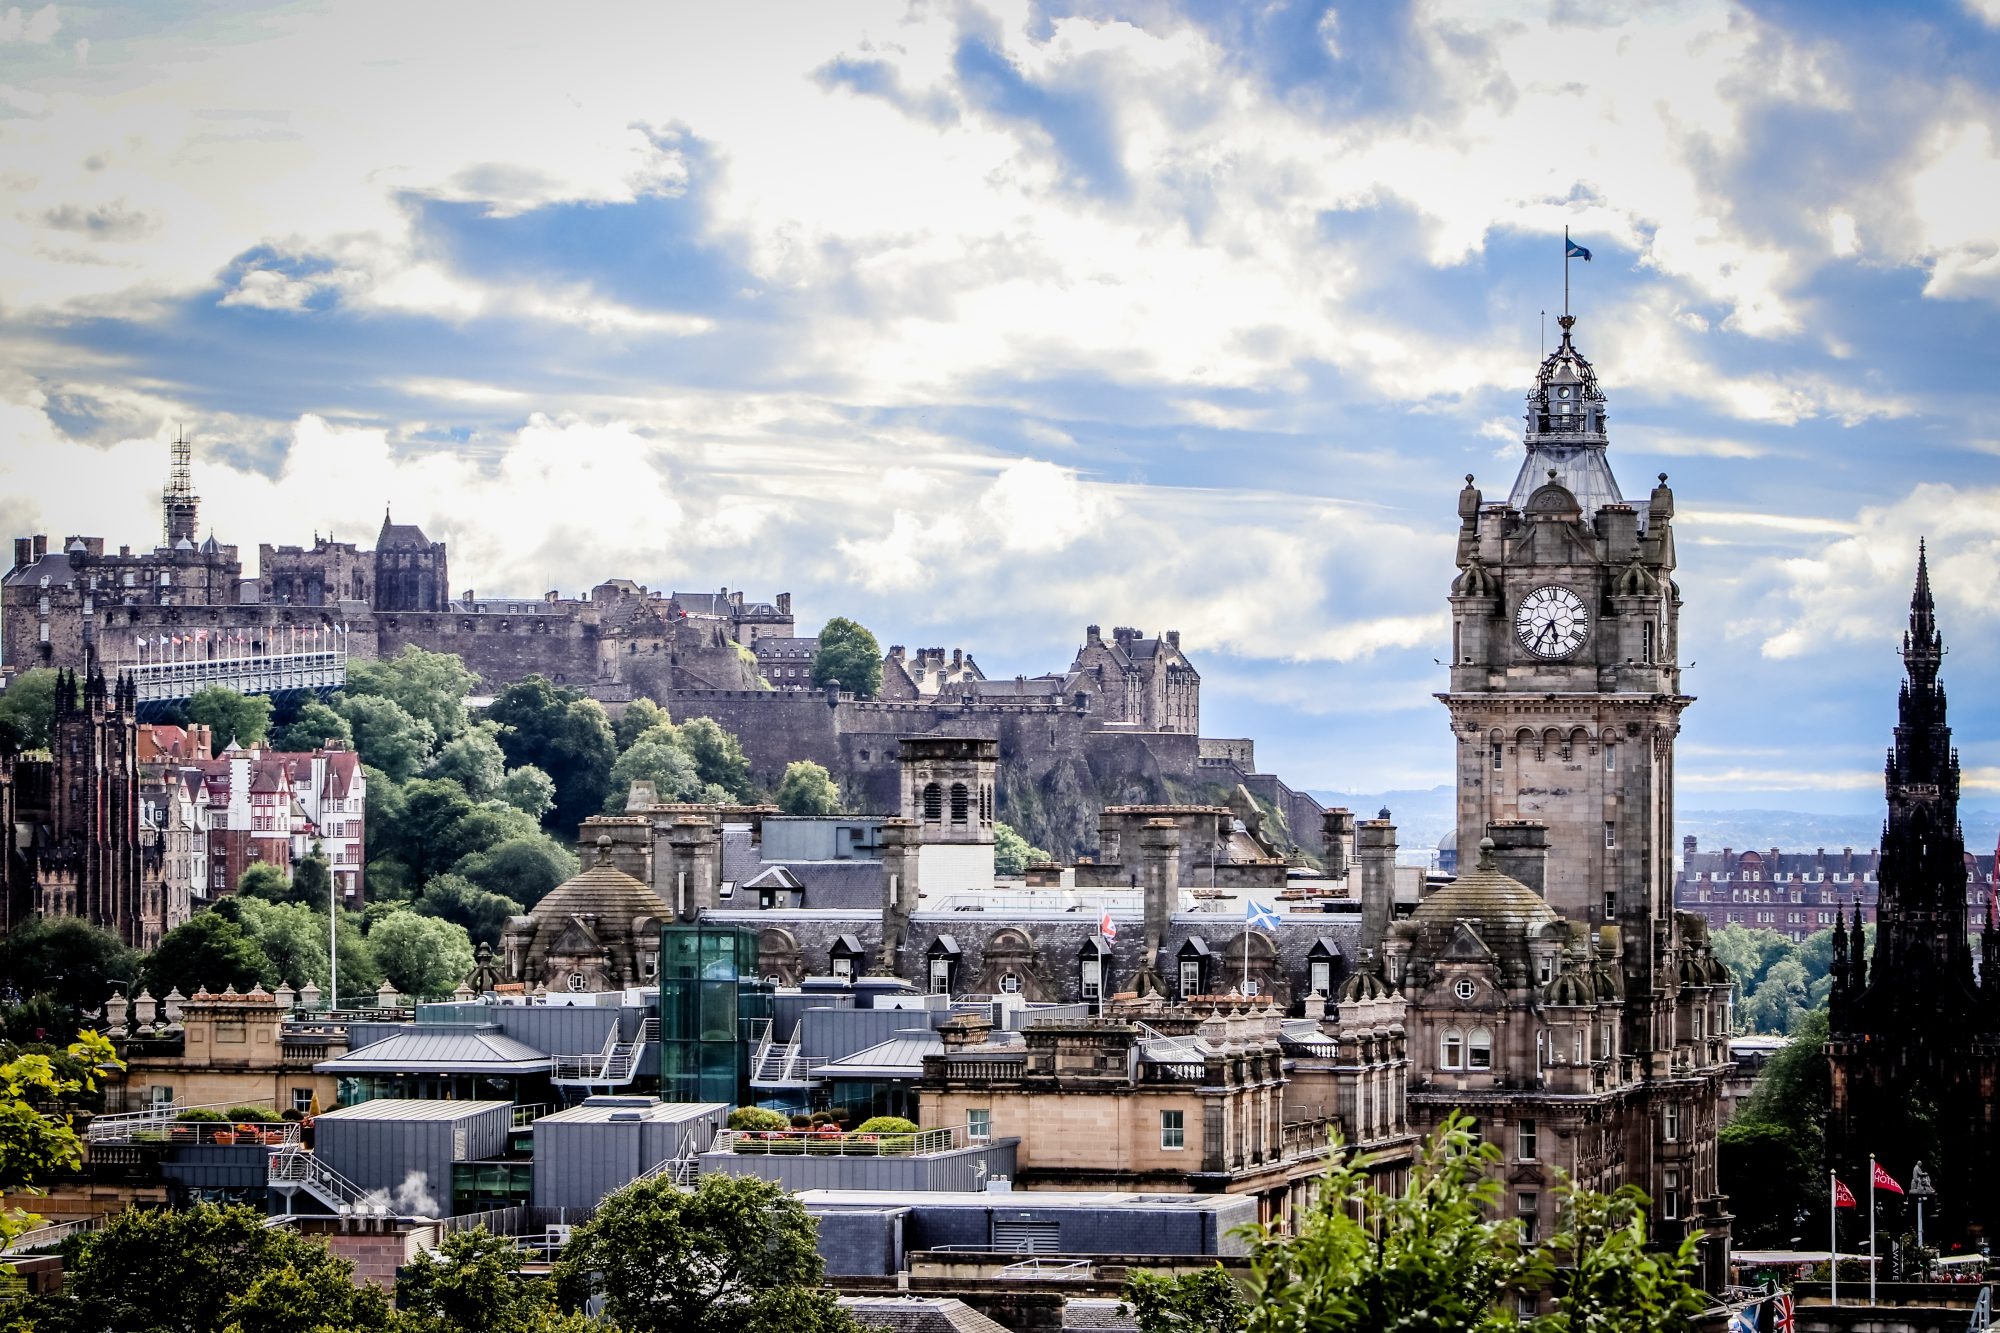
<point>37,27</point>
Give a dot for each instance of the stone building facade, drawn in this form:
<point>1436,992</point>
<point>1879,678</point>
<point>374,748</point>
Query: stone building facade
<point>1800,893</point>
<point>1565,698</point>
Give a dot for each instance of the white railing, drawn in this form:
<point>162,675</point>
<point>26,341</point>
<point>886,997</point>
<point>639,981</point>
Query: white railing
<point>53,1234</point>
<point>296,1166</point>
<point>120,1128</point>
<point>263,673</point>
<point>818,1143</point>
<point>612,1066</point>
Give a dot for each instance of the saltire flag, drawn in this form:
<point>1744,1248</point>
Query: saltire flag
<point>1744,1320</point>
<point>1261,915</point>
<point>1106,926</point>
<point>1571,250</point>
<point>1843,1197</point>
<point>1884,1181</point>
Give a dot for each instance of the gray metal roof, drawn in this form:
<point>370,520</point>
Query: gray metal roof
<point>603,1110</point>
<point>484,1051</point>
<point>410,1108</point>
<point>902,1056</point>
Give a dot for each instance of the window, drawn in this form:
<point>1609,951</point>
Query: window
<point>302,1100</point>
<point>1545,969</point>
<point>1611,758</point>
<point>1526,1147</point>
<point>933,803</point>
<point>1610,904</point>
<point>961,802</point>
<point>1322,978</point>
<point>1464,988</point>
<point>1647,648</point>
<point>940,976</point>
<point>1173,1130</point>
<point>979,1124</point>
<point>1093,978</point>
<point>1190,978</point>
<point>160,1095</point>
<point>1670,1123</point>
<point>1610,834</point>
<point>1670,1193</point>
<point>1576,1047</point>
<point>843,967</point>
<point>1010,984</point>
<point>1699,1015</point>
<point>1605,1047</point>
<point>1527,1207</point>
<point>1451,1049</point>
<point>1479,1049</point>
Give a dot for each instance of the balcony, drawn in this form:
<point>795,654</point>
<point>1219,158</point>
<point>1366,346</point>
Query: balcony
<point>928,1160</point>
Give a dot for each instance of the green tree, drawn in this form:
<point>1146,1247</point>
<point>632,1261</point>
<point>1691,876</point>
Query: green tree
<point>456,899</point>
<point>849,654</point>
<point>207,952</point>
<point>241,718</point>
<point>210,1261</point>
<point>1431,1260</point>
<point>312,878</point>
<point>1606,1280</point>
<point>262,880</point>
<point>656,757</point>
<point>474,761</point>
<point>1770,1153</point>
<point>565,735</point>
<point>472,1283</point>
<point>1204,1301</point>
<point>808,789</point>
<point>27,709</point>
<point>37,1141</point>
<point>529,790</point>
<point>718,756</point>
<point>386,735</point>
<point>640,716</point>
<point>1780,999</point>
<point>422,955</point>
<point>1011,853</point>
<point>733,1255</point>
<point>67,959</point>
<point>523,869</point>
<point>312,728</point>
<point>430,687</point>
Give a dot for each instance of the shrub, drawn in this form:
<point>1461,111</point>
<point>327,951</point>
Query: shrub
<point>802,1121</point>
<point>886,1124</point>
<point>757,1117</point>
<point>261,1115</point>
<point>202,1115</point>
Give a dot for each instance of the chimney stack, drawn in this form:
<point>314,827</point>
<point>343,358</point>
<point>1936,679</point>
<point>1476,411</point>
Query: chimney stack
<point>1160,878</point>
<point>24,551</point>
<point>899,889</point>
<point>692,866</point>
<point>1375,857</point>
<point>1521,851</point>
<point>1337,828</point>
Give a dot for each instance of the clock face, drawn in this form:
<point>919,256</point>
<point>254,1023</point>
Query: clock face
<point>1552,622</point>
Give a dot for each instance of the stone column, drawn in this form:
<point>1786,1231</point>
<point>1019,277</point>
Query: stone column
<point>1160,878</point>
<point>899,891</point>
<point>1375,858</point>
<point>1337,828</point>
<point>694,866</point>
<point>1521,851</point>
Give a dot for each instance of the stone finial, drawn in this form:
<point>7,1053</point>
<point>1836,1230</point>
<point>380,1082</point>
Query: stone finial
<point>115,1010</point>
<point>174,1002</point>
<point>286,997</point>
<point>309,995</point>
<point>603,852</point>
<point>463,992</point>
<point>387,998</point>
<point>144,1008</point>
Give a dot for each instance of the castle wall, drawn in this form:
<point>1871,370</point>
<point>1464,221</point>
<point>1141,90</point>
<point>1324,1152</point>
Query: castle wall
<point>500,648</point>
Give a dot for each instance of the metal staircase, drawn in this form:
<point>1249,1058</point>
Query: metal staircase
<point>293,1168</point>
<point>611,1067</point>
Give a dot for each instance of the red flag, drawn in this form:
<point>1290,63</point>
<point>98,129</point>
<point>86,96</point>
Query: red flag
<point>1781,1314</point>
<point>1883,1181</point>
<point>1843,1197</point>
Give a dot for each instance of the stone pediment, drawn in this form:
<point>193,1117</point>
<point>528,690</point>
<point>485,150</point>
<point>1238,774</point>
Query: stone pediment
<point>1465,946</point>
<point>577,938</point>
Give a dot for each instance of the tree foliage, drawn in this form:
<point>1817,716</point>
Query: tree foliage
<point>849,654</point>
<point>472,1284</point>
<point>207,952</point>
<point>1011,853</point>
<point>67,959</point>
<point>639,717</point>
<point>387,736</point>
<point>311,728</point>
<point>808,789</point>
<point>421,955</point>
<point>1770,1153</point>
<point>1205,1301</point>
<point>565,735</point>
<point>27,710</point>
<point>292,936</point>
<point>733,1255</point>
<point>523,869</point>
<point>242,718</point>
<point>37,1141</point>
<point>528,790</point>
<point>264,881</point>
<point>1778,982</point>
<point>473,759</point>
<point>430,687</point>
<point>456,899</point>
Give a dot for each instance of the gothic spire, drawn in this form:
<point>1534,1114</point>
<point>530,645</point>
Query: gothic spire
<point>1923,646</point>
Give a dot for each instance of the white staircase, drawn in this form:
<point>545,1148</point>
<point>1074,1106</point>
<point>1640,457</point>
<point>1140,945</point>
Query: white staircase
<point>293,1168</point>
<point>611,1067</point>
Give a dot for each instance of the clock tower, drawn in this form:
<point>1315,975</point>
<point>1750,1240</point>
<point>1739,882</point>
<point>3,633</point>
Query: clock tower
<point>1565,690</point>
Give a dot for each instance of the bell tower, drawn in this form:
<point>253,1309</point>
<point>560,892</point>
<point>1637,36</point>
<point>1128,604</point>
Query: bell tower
<point>1565,683</point>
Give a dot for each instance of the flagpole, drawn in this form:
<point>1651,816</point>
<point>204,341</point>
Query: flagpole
<point>1565,270</point>
<point>1871,1228</point>
<point>1833,1233</point>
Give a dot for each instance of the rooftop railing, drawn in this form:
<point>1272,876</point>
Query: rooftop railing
<point>818,1143</point>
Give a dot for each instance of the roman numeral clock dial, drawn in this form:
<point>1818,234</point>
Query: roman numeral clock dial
<point>1552,622</point>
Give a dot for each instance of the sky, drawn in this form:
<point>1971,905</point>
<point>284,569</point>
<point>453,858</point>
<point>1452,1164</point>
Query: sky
<point>983,322</point>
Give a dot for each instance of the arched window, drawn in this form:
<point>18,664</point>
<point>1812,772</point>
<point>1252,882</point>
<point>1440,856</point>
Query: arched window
<point>1479,1049</point>
<point>1451,1049</point>
<point>961,802</point>
<point>933,803</point>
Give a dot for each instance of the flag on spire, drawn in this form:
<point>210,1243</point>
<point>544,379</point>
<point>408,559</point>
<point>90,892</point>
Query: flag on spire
<point>1884,1181</point>
<point>1843,1197</point>
<point>1571,250</point>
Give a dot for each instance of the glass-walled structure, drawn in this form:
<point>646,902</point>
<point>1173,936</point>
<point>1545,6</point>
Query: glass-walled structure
<point>710,996</point>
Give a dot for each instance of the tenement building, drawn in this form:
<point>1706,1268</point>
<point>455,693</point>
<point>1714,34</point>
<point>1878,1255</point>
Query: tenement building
<point>1565,701</point>
<point>1914,1035</point>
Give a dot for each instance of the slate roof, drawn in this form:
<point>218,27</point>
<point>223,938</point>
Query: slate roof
<point>477,1051</point>
<point>1094,1313</point>
<point>902,1056</point>
<point>922,1314</point>
<point>605,892</point>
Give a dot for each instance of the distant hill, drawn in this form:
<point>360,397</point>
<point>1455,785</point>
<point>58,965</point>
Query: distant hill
<point>1423,817</point>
